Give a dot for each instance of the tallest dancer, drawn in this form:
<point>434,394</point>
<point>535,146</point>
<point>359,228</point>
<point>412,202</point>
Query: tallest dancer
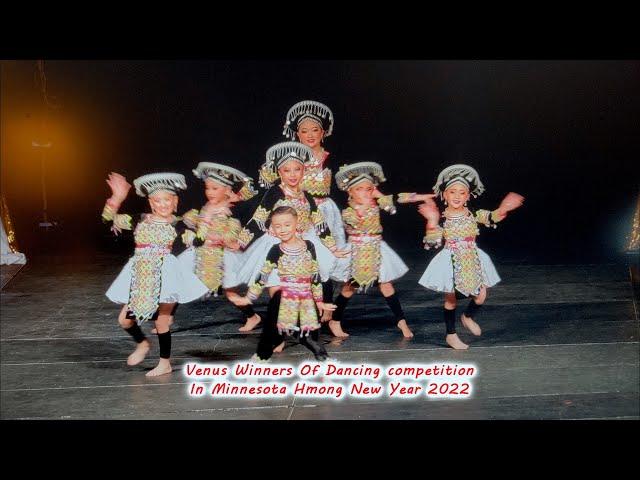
<point>310,122</point>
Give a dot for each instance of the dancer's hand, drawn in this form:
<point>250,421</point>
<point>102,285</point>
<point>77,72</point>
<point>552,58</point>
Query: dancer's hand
<point>330,307</point>
<point>406,197</point>
<point>119,187</point>
<point>233,198</point>
<point>414,197</point>
<point>429,210</point>
<point>510,202</point>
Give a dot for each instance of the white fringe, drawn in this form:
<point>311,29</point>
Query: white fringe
<point>156,181</point>
<point>307,106</point>
<point>348,175</point>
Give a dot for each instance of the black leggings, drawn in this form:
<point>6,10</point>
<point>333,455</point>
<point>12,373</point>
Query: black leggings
<point>394,304</point>
<point>327,291</point>
<point>450,320</point>
<point>270,338</point>
<point>472,308</point>
<point>247,310</point>
<point>164,339</point>
<point>341,304</point>
<point>312,342</point>
<point>392,300</point>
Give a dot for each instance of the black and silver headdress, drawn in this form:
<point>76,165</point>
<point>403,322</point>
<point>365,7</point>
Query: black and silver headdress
<point>459,173</point>
<point>308,109</point>
<point>350,175</point>
<point>225,175</point>
<point>151,183</point>
<point>279,154</point>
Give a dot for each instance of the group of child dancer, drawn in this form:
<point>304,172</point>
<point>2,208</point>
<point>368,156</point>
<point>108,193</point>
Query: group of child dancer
<point>295,245</point>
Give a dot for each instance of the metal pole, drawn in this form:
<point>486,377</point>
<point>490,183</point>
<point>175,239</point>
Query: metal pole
<point>44,188</point>
<point>43,164</point>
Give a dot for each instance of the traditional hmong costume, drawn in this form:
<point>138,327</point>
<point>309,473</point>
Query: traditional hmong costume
<point>255,237</point>
<point>372,259</point>
<point>300,289</point>
<point>153,274</point>
<point>460,266</point>
<point>317,175</point>
<point>214,231</point>
<point>300,286</point>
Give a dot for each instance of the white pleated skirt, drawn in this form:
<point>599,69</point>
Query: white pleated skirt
<point>439,273</point>
<point>231,263</point>
<point>178,284</point>
<point>391,265</point>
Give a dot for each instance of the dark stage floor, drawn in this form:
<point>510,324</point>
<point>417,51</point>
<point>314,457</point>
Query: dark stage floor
<point>559,342</point>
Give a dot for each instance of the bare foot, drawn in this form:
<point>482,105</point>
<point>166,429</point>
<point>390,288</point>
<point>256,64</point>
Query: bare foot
<point>155,330</point>
<point>336,329</point>
<point>163,367</point>
<point>139,353</point>
<point>251,323</point>
<point>470,325</point>
<point>279,348</point>
<point>406,331</point>
<point>454,342</point>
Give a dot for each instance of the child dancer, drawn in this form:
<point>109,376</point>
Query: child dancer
<point>299,287</point>
<point>460,266</point>
<point>310,122</point>
<point>286,163</point>
<point>214,255</point>
<point>283,171</point>
<point>372,260</point>
<point>153,281</point>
